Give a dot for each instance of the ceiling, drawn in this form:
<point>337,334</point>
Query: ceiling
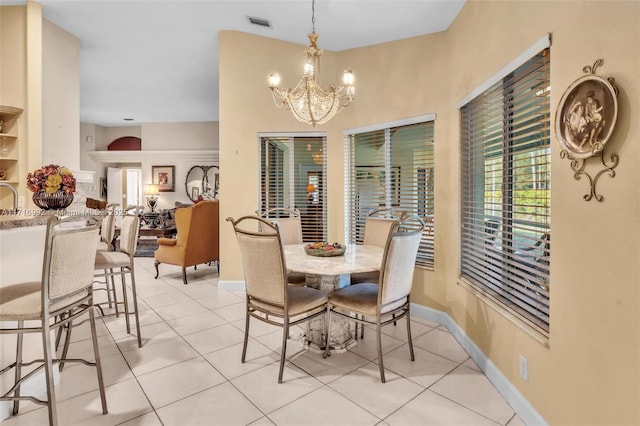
<point>157,60</point>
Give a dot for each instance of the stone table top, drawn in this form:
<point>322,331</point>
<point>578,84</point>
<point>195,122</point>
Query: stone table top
<point>357,258</point>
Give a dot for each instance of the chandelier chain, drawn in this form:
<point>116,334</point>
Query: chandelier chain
<point>313,16</point>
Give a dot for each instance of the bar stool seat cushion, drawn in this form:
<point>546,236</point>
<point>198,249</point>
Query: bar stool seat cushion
<point>24,302</point>
<point>111,259</point>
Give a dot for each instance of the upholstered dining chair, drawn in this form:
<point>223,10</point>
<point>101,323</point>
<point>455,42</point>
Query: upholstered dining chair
<point>120,263</point>
<point>377,227</point>
<point>290,227</point>
<point>269,297</point>
<point>384,303</point>
<point>64,294</point>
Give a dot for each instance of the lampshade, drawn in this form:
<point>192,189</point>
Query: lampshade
<point>151,189</point>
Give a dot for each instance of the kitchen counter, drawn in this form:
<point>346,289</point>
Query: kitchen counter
<point>24,218</point>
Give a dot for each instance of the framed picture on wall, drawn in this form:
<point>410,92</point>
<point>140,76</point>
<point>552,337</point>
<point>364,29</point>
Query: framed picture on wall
<point>586,116</point>
<point>164,177</point>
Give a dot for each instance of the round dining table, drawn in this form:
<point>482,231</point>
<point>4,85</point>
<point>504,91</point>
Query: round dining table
<point>329,274</point>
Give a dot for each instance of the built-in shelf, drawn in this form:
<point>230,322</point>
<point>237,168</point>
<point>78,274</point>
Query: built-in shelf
<point>9,147</point>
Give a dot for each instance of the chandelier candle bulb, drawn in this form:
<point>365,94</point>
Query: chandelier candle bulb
<point>274,80</point>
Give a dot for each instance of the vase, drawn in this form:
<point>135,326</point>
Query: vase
<point>57,200</point>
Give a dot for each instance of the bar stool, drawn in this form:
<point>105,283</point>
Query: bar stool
<point>107,233</point>
<point>114,263</point>
<point>64,294</point>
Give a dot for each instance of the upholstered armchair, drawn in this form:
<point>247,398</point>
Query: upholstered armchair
<point>196,240</point>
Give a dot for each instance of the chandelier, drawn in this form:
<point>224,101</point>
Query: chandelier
<point>309,102</point>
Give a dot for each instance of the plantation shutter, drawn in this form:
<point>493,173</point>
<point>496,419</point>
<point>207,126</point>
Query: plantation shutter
<point>506,190</point>
<point>391,167</point>
<point>292,176</point>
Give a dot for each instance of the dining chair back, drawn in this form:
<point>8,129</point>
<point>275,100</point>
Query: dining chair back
<point>64,294</point>
<point>289,223</point>
<point>384,304</point>
<point>290,227</point>
<point>269,298</point>
<point>377,227</point>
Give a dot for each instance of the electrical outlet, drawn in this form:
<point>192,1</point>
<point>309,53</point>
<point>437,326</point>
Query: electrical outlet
<point>524,368</point>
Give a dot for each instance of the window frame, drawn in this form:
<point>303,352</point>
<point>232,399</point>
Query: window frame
<point>393,194</point>
<point>518,277</point>
<point>318,197</point>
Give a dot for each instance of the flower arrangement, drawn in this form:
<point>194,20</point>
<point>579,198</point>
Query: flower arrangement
<point>50,179</point>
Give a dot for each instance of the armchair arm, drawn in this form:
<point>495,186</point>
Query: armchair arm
<point>167,241</point>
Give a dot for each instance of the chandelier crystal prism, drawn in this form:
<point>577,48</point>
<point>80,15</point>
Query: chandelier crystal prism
<point>308,101</point>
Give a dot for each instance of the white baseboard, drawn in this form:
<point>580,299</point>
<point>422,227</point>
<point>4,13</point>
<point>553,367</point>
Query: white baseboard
<point>509,392</point>
<point>231,285</point>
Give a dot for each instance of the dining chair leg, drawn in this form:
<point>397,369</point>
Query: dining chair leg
<point>413,358</point>
<point>48,368</point>
<point>379,338</point>
<point>18,370</point>
<point>285,333</point>
<point>135,305</point>
<point>65,347</point>
<point>327,348</point>
<point>96,351</point>
<point>326,333</point>
<point>246,334</point>
<point>106,283</point>
<point>58,335</point>
<point>126,300</point>
<point>115,294</point>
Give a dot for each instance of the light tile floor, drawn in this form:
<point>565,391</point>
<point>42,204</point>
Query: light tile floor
<point>188,371</point>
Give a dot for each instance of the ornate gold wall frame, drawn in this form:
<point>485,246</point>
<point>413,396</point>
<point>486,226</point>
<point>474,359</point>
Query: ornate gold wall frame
<point>585,120</point>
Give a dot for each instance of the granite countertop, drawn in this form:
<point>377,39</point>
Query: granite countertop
<point>26,217</point>
<point>34,217</point>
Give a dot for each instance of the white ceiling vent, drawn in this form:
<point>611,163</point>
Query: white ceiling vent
<point>259,21</point>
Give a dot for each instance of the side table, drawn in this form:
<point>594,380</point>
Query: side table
<point>151,219</point>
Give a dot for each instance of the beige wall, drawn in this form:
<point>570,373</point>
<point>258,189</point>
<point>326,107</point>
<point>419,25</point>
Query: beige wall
<point>21,57</point>
<point>176,136</point>
<point>588,372</point>
<point>61,97</point>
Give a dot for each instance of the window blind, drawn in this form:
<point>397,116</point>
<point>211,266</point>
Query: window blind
<point>391,168</point>
<point>292,170</point>
<point>506,191</point>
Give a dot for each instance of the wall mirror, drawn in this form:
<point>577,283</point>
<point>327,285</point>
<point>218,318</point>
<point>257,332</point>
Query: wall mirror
<point>202,181</point>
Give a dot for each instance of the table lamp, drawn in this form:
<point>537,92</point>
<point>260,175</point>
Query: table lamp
<point>151,191</point>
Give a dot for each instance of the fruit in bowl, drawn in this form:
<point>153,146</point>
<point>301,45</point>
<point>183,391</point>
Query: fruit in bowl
<point>324,249</point>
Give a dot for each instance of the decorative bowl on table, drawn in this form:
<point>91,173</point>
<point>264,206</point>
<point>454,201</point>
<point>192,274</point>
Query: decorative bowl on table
<point>324,249</point>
